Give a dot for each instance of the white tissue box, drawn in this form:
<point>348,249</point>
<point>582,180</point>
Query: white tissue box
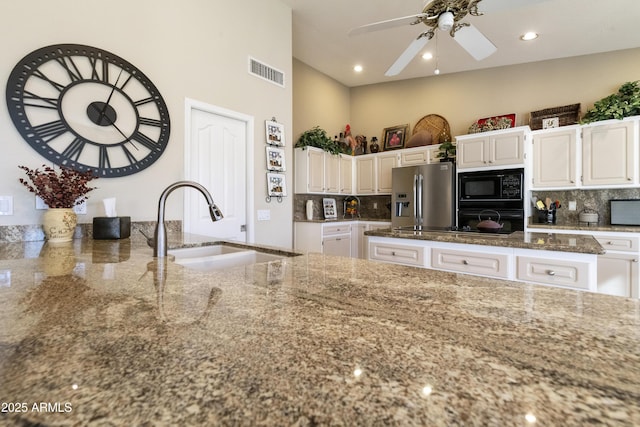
<point>117,227</point>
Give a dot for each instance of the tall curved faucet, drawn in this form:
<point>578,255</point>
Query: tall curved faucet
<point>160,234</point>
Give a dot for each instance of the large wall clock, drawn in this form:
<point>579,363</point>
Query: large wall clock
<point>88,109</point>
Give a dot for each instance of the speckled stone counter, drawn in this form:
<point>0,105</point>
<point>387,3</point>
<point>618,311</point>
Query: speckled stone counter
<point>578,243</point>
<point>586,227</point>
<point>100,333</point>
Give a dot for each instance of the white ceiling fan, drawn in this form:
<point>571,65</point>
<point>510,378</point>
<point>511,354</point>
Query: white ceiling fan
<point>444,15</point>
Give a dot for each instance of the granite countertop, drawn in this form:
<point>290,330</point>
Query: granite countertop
<point>102,334</point>
<point>578,243</point>
<point>587,227</point>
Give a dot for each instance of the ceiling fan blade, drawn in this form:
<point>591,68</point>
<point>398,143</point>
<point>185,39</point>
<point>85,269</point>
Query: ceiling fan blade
<point>389,23</point>
<point>474,42</point>
<point>406,57</point>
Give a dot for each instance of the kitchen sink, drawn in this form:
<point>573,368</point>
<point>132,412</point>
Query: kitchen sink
<point>217,257</point>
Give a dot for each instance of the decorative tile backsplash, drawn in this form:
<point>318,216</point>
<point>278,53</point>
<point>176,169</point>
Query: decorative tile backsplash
<point>367,211</point>
<point>592,199</point>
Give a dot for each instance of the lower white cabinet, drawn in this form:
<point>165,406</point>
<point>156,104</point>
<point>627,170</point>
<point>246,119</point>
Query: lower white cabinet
<point>463,261</point>
<point>618,269</point>
<point>405,254</point>
<point>564,269</point>
<point>342,238</point>
<point>553,271</point>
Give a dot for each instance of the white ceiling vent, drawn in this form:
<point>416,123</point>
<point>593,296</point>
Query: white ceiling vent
<point>266,72</point>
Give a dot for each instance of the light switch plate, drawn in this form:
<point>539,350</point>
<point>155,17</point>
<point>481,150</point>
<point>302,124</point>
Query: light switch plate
<point>6,205</point>
<point>264,214</point>
<point>81,209</point>
<point>572,205</point>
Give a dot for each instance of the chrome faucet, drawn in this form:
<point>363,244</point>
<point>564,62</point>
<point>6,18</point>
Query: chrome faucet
<point>160,235</point>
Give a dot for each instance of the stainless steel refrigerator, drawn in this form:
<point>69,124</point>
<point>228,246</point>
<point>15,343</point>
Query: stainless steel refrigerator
<point>423,196</point>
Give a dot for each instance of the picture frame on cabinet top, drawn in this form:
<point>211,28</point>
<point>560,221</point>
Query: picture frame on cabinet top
<point>394,137</point>
<point>274,133</point>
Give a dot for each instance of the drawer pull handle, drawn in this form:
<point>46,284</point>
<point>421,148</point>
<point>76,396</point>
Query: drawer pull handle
<point>465,262</point>
<point>551,273</point>
<point>609,243</point>
<point>393,253</point>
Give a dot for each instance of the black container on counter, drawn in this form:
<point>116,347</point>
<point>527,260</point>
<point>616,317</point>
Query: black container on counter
<point>546,216</point>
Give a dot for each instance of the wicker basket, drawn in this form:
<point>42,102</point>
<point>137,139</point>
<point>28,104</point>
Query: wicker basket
<point>567,115</point>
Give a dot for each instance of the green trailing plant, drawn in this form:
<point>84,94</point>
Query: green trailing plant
<point>624,103</point>
<point>317,137</point>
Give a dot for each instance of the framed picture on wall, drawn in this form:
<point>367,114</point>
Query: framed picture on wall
<point>394,137</point>
<point>276,184</point>
<point>274,133</point>
<point>275,159</point>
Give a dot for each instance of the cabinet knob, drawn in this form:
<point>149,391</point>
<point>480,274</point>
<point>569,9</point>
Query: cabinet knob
<point>551,273</point>
<point>635,260</point>
<point>393,253</point>
<point>465,262</point>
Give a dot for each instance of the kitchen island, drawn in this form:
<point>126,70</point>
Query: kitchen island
<point>100,333</point>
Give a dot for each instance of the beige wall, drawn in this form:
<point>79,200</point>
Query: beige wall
<point>197,49</point>
<point>461,98</point>
<point>319,101</point>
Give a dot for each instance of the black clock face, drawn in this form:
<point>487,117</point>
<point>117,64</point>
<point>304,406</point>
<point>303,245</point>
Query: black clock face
<point>86,108</point>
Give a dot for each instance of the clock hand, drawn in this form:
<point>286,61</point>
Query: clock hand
<point>112,123</point>
<point>113,89</point>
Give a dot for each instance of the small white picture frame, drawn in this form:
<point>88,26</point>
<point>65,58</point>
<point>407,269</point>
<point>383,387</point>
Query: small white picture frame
<point>276,184</point>
<point>275,159</point>
<point>550,122</point>
<point>274,133</point>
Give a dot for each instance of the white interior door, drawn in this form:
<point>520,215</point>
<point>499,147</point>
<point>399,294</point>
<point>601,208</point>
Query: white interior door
<point>216,156</point>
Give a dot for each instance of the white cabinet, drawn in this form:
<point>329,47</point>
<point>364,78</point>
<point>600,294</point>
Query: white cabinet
<point>346,174</point>
<point>366,174</point>
<point>420,155</point>
<point>398,253</point>
<point>555,157</point>
<point>385,162</point>
<point>317,171</point>
<point>609,153</point>
<point>491,149</point>
<point>618,268</point>
<point>555,271</point>
<point>362,246</point>
<point>464,261</point>
<point>373,173</point>
<point>330,239</point>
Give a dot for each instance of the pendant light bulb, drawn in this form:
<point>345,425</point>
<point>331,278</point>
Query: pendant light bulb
<point>436,71</point>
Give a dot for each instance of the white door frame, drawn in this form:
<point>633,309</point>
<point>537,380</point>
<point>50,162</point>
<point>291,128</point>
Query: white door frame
<point>192,104</point>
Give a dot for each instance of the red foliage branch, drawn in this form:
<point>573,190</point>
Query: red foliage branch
<point>58,189</point>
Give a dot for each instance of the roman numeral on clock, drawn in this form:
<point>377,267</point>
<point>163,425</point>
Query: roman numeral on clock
<point>51,130</point>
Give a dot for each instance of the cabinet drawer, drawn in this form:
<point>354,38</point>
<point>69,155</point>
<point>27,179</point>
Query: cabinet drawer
<point>409,255</point>
<point>494,265</point>
<point>330,230</point>
<point>618,243</point>
<point>414,157</point>
<point>574,274</point>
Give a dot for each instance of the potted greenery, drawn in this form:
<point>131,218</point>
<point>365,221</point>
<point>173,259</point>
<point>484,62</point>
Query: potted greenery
<point>624,103</point>
<point>317,137</point>
<point>60,190</point>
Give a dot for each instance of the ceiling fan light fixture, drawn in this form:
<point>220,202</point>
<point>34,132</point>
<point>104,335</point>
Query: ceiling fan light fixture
<point>427,56</point>
<point>445,21</point>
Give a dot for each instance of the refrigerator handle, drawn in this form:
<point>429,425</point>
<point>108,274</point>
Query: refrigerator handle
<point>419,200</point>
<point>415,199</point>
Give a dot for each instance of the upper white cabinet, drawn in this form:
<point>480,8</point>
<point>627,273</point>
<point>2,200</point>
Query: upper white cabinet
<point>385,162</point>
<point>317,171</point>
<point>494,148</point>
<point>373,172</point>
<point>419,155</point>
<point>346,174</point>
<point>554,157</point>
<point>609,153</point>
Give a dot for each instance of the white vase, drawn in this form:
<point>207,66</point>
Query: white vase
<point>309,210</point>
<point>59,224</point>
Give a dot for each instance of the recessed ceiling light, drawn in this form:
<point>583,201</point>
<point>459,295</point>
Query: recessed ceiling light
<point>357,68</point>
<point>427,56</point>
<point>529,36</point>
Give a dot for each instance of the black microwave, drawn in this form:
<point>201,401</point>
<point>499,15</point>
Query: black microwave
<point>493,185</point>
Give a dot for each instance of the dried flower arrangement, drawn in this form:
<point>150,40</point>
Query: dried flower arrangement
<point>58,189</point>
